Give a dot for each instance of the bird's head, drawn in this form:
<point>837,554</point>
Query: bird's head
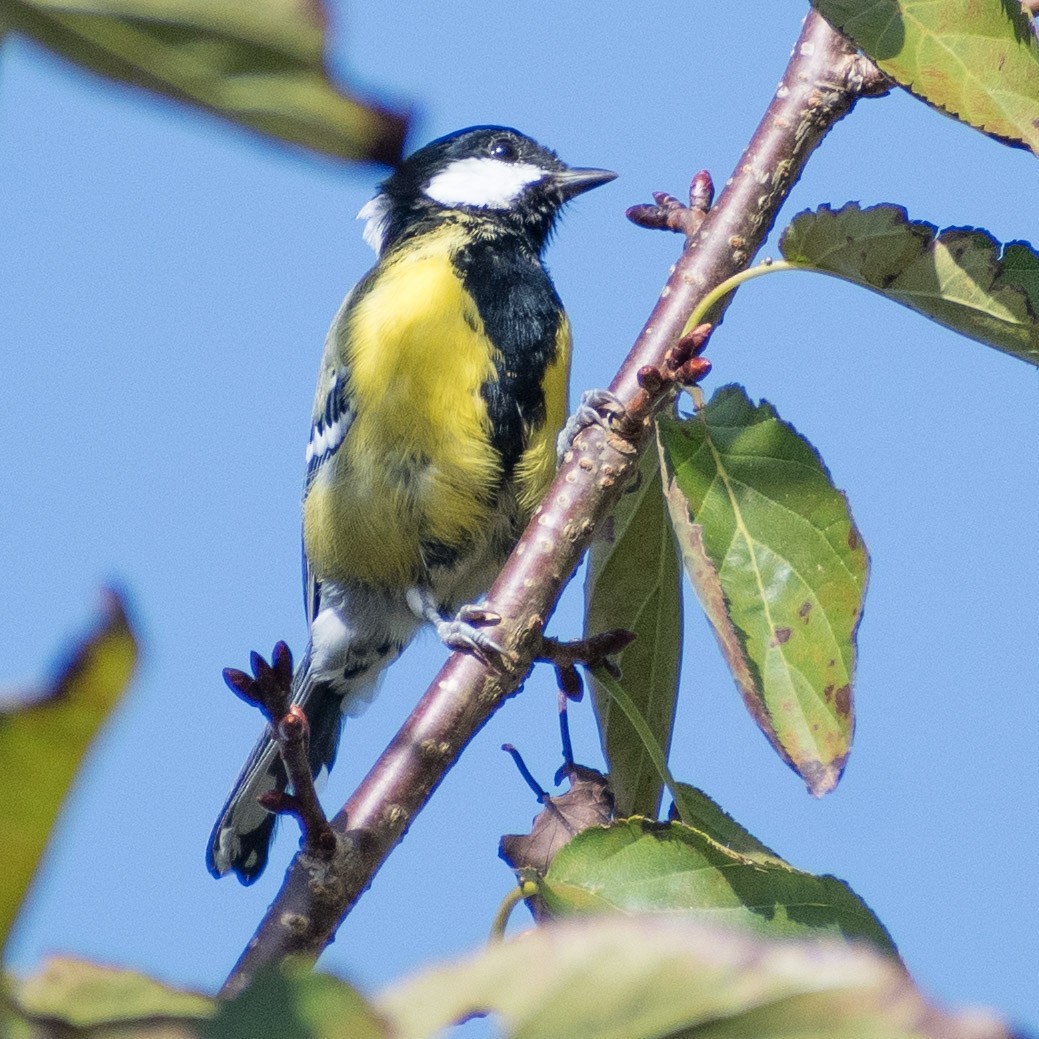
<point>493,172</point>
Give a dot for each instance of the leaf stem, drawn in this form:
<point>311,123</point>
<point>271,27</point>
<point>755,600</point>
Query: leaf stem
<point>524,889</point>
<point>720,291</point>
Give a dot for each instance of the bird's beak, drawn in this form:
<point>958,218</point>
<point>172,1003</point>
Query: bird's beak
<point>576,181</point>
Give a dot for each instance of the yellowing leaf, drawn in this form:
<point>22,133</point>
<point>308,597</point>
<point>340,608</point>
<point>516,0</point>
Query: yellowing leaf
<point>961,278</point>
<point>79,994</point>
<point>779,568</point>
<point>976,61</point>
<point>72,997</point>
<point>617,977</point>
<point>42,742</point>
<point>260,64</point>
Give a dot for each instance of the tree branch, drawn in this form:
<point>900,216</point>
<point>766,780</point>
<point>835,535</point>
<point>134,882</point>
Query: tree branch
<point>821,84</point>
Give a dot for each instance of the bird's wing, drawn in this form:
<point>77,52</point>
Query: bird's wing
<point>329,425</point>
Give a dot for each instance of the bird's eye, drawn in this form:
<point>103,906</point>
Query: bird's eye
<point>503,149</point>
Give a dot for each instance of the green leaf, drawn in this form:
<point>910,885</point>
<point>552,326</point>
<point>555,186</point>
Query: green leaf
<point>703,813</point>
<point>42,741</point>
<point>652,978</point>
<point>976,61</point>
<point>634,582</point>
<point>684,800</point>
<point>609,686</point>
<point>780,570</point>
<point>291,1002</point>
<point>637,866</point>
<point>260,64</point>
<point>961,278</point>
<point>84,995</point>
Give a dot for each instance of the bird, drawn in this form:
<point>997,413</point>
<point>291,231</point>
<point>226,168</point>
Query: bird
<point>441,392</point>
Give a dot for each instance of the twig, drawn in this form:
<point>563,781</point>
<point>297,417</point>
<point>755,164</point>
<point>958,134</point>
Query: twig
<point>564,738</point>
<point>594,651</point>
<point>669,214</point>
<point>528,777</point>
<point>269,688</point>
<point>821,84</point>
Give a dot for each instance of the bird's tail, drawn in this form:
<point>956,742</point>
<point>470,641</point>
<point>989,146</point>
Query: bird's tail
<point>354,637</point>
<point>242,834</point>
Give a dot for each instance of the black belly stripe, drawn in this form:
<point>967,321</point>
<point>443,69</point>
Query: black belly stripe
<point>521,314</point>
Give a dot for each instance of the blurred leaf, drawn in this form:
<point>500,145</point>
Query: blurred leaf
<point>976,61</point>
<point>640,978</point>
<point>79,994</point>
<point>43,740</point>
<point>259,63</point>
<point>780,569</point>
<point>962,278</point>
<point>291,1002</point>
<point>287,1002</point>
<point>638,866</point>
<point>75,998</point>
<point>634,582</point>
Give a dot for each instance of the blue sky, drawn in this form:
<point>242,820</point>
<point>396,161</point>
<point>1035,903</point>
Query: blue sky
<point>167,283</point>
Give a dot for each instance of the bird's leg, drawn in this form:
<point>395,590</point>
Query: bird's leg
<point>463,631</point>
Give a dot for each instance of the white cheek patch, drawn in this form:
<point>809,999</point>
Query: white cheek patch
<point>376,215</point>
<point>482,182</point>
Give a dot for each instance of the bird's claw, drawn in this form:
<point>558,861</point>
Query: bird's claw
<point>472,613</point>
<point>598,407</point>
<point>464,632</point>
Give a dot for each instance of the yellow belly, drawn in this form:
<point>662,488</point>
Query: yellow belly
<point>417,465</point>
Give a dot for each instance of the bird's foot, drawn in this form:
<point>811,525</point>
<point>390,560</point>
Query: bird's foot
<point>465,632</point>
<point>598,407</point>
<point>462,632</point>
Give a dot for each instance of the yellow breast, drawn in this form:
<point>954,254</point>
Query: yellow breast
<point>417,465</point>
